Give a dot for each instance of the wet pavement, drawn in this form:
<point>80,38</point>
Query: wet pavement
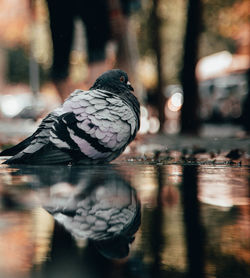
<point>150,217</point>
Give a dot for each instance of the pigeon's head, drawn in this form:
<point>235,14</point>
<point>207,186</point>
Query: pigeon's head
<point>114,81</point>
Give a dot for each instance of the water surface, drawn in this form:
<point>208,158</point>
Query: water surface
<point>125,220</point>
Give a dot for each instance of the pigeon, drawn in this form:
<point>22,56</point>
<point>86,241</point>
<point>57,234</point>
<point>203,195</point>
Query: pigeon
<point>90,127</point>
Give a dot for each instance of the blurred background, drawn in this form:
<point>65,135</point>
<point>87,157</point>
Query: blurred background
<point>152,43</point>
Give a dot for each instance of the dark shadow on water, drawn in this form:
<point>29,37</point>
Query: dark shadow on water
<point>157,241</point>
<point>192,221</point>
<point>66,260</point>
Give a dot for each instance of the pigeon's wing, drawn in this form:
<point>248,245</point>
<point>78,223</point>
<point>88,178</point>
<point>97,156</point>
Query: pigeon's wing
<point>17,148</point>
<point>96,124</point>
<point>37,148</point>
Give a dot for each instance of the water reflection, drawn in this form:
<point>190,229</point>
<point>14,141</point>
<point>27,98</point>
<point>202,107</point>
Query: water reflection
<point>90,203</point>
<point>102,208</point>
<point>193,226</point>
<point>64,221</point>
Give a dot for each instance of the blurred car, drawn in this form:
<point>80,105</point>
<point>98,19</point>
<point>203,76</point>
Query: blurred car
<point>222,98</point>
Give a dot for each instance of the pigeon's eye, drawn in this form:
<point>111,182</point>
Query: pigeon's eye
<point>122,79</point>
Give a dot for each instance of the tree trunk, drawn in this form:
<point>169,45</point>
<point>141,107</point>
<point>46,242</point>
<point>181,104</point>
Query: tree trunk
<point>246,106</point>
<point>190,120</point>
<point>157,47</point>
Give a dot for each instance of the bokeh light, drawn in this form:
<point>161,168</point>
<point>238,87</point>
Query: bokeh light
<point>10,106</point>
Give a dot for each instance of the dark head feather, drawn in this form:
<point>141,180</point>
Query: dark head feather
<point>114,81</point>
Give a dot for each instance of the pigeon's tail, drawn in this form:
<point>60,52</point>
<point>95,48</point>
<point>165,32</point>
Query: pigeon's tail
<point>18,148</point>
<point>44,155</point>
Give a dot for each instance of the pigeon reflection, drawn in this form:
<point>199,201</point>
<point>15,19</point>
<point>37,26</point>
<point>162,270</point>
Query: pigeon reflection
<point>95,204</point>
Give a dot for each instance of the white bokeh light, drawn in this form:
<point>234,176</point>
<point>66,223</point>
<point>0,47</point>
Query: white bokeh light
<point>10,106</point>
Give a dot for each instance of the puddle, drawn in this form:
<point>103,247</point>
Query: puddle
<point>125,220</point>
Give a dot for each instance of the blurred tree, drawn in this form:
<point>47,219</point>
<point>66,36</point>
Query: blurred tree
<point>157,46</point>
<point>246,111</point>
<point>160,42</point>
<point>18,66</point>
<point>14,23</point>
<point>225,26</point>
<point>190,122</point>
<point>212,40</point>
<point>171,14</point>
<point>234,24</point>
<point>14,31</point>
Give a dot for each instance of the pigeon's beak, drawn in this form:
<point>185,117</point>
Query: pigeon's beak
<point>129,86</point>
